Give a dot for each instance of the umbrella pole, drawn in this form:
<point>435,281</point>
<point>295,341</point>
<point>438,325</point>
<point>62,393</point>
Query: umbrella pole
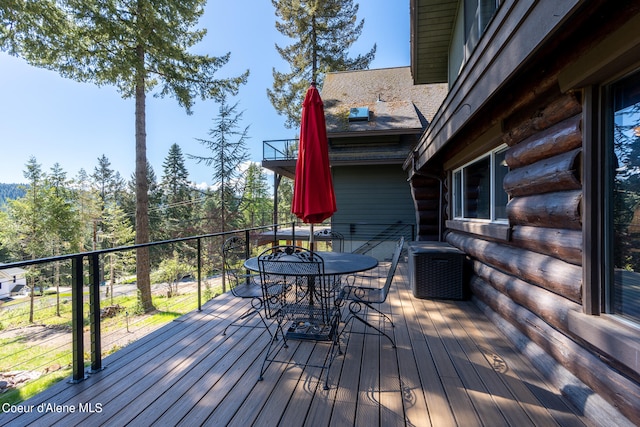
<point>311,238</point>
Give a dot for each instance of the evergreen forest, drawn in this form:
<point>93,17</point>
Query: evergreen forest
<point>10,192</point>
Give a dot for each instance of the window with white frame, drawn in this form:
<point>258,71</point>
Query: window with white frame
<point>477,188</point>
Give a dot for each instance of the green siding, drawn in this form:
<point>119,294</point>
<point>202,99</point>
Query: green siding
<point>377,194</point>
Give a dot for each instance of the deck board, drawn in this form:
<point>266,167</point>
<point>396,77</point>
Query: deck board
<point>451,367</point>
<point>427,384</point>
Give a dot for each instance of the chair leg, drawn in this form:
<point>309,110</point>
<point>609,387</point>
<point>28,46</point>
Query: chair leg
<point>371,307</point>
<point>355,307</point>
<point>256,308</point>
<point>237,322</point>
<point>335,347</point>
<point>272,349</point>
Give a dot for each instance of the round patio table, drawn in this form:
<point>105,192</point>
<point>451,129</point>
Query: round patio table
<point>335,263</point>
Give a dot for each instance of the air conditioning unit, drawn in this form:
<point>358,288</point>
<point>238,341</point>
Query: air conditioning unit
<point>436,270</point>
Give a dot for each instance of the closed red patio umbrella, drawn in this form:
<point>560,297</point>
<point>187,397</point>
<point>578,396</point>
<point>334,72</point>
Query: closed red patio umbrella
<point>313,196</point>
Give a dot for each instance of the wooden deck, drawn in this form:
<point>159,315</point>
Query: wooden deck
<point>451,368</point>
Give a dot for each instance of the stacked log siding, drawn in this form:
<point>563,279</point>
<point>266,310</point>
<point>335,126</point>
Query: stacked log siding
<point>534,279</point>
<point>426,198</point>
<point>541,81</point>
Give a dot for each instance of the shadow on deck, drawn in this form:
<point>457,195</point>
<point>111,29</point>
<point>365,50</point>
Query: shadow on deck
<point>452,367</point>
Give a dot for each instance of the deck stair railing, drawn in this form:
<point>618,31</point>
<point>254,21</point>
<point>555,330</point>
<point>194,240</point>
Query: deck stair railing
<point>389,233</point>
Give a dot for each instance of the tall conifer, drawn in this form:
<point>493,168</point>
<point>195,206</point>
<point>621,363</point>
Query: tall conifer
<point>323,31</point>
<point>228,152</point>
<point>135,46</point>
<point>176,192</point>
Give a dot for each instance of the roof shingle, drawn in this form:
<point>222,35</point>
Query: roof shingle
<point>394,102</point>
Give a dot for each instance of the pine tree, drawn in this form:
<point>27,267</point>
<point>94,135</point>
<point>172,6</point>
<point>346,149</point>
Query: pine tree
<point>104,183</point>
<point>176,192</point>
<point>133,45</point>
<point>89,210</point>
<point>29,213</point>
<point>103,177</point>
<point>42,223</point>
<point>228,153</point>
<point>285,197</point>
<point>256,203</point>
<point>58,179</point>
<point>155,205</point>
<point>33,216</point>
<point>117,232</point>
<point>323,31</point>
<point>63,226</point>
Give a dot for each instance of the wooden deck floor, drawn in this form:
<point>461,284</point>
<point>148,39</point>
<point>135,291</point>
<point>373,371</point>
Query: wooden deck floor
<point>451,368</point>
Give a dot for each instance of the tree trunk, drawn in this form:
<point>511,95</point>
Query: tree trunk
<point>142,189</point>
<point>56,278</point>
<point>112,272</point>
<point>32,299</point>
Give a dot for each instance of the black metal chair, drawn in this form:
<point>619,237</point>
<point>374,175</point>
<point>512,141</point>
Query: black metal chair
<point>362,297</point>
<point>333,238</point>
<point>302,300</point>
<point>242,284</point>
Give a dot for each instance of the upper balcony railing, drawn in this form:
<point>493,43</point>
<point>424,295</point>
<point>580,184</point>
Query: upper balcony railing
<point>280,149</point>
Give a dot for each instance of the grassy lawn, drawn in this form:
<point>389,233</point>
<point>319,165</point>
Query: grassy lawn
<point>48,350</point>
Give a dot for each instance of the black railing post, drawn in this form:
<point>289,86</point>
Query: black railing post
<point>247,248</point>
<point>94,313</point>
<point>77,321</point>
<point>199,274</point>
<point>247,252</point>
<point>224,265</point>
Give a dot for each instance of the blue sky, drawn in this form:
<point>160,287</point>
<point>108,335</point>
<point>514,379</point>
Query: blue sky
<point>60,120</point>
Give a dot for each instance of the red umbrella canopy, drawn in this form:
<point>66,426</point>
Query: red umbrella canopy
<point>313,197</point>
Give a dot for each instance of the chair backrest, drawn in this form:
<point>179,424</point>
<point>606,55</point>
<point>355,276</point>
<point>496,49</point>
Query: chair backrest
<point>286,260</point>
<point>328,235</point>
<point>394,265</point>
<point>233,255</point>
<point>286,273</point>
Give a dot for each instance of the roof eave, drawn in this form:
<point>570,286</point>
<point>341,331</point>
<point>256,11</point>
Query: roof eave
<point>382,132</point>
<point>431,31</point>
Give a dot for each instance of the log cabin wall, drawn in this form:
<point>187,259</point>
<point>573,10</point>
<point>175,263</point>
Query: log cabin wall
<point>429,207</point>
<point>531,282</point>
<point>527,275</point>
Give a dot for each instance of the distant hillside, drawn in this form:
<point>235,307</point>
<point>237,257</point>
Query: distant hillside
<point>11,191</point>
